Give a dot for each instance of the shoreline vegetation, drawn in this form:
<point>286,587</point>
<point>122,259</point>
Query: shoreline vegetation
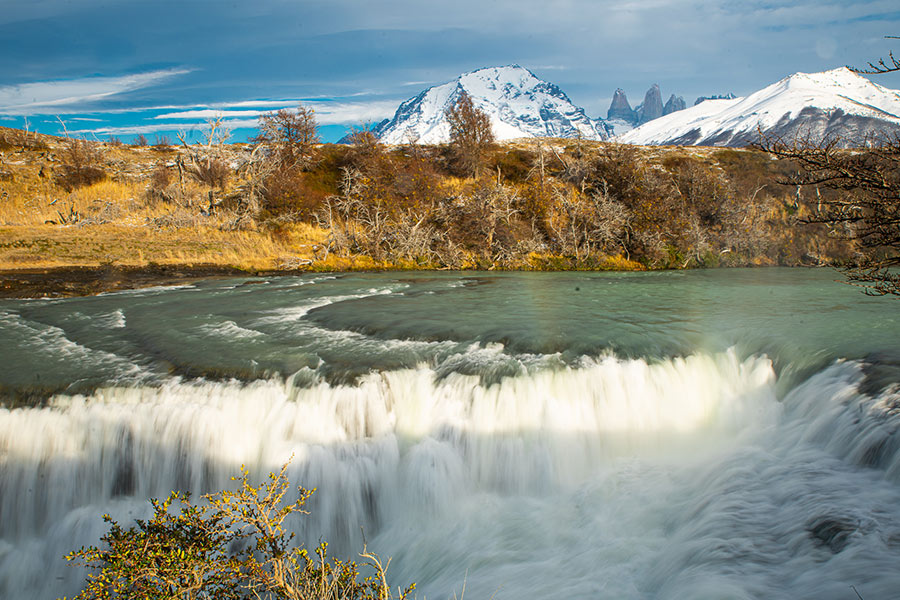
<point>80,217</point>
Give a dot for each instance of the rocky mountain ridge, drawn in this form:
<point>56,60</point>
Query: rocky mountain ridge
<point>623,118</point>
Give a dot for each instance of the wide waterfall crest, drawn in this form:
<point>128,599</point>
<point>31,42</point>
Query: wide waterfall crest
<point>523,433</point>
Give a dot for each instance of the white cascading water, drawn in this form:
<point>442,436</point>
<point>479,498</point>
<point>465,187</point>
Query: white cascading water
<point>619,478</point>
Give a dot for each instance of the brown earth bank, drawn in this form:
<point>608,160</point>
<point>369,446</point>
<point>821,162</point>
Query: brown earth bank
<point>62,282</point>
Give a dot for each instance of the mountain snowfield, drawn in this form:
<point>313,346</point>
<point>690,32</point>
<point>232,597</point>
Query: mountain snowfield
<point>519,104</point>
<point>836,103</point>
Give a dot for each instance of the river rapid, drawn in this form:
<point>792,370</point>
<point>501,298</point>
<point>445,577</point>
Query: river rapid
<point>702,434</point>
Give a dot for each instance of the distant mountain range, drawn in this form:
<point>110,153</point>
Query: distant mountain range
<point>836,103</point>
<point>829,105</point>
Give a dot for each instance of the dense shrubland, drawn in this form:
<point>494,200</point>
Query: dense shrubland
<point>291,201</point>
<point>559,204</point>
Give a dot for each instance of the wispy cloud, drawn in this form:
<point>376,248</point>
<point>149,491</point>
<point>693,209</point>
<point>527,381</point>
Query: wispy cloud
<point>352,113</point>
<point>59,96</point>
<point>143,129</point>
<point>327,112</point>
<point>208,113</point>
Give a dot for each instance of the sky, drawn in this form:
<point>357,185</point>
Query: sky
<point>103,68</point>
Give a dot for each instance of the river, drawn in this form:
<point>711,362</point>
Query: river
<point>694,434</point>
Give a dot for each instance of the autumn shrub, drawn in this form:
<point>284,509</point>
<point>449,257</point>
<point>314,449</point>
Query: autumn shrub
<point>162,144</point>
<point>619,170</point>
<point>213,172</point>
<point>481,220</point>
<point>514,165</point>
<point>403,183</point>
<point>364,145</point>
<point>700,187</point>
<point>80,165</point>
<point>159,185</point>
<point>6,142</point>
<point>287,195</point>
<point>231,545</point>
<point>160,177</point>
<point>587,224</point>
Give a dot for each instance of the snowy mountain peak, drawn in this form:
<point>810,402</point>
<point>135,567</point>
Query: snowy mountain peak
<point>832,104</point>
<point>839,76</point>
<point>519,104</point>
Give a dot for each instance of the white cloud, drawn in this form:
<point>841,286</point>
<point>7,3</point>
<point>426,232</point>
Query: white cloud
<point>158,127</point>
<point>353,113</point>
<point>60,96</point>
<point>208,113</point>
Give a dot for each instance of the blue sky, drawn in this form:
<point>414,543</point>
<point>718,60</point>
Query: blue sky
<point>107,67</point>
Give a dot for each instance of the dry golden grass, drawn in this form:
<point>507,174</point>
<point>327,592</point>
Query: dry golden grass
<point>45,246</point>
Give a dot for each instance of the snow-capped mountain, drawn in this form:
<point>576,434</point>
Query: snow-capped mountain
<point>828,105</point>
<point>518,103</point>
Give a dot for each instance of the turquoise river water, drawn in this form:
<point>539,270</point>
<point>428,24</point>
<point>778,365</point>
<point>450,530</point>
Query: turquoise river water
<point>702,434</point>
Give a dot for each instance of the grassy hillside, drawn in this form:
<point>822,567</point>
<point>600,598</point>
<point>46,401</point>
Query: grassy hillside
<point>536,204</point>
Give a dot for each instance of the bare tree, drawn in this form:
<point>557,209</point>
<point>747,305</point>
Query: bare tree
<point>866,207</point>
<point>289,135</point>
<point>207,162</point>
<point>355,225</point>
<point>470,134</point>
<point>587,223</point>
<point>882,66</point>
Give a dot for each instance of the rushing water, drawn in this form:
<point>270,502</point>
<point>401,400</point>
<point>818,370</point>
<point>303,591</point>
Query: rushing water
<point>707,434</point>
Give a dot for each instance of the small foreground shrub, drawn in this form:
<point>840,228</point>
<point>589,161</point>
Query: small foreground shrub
<point>232,546</point>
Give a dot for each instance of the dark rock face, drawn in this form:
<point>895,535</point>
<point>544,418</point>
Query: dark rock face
<point>675,103</point>
<point>728,96</point>
<point>652,107</point>
<point>620,109</point>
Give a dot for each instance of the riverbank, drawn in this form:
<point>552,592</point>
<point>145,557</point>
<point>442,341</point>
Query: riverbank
<point>70,280</point>
<point>61,282</point>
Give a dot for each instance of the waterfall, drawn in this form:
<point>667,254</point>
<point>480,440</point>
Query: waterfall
<point>610,478</point>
